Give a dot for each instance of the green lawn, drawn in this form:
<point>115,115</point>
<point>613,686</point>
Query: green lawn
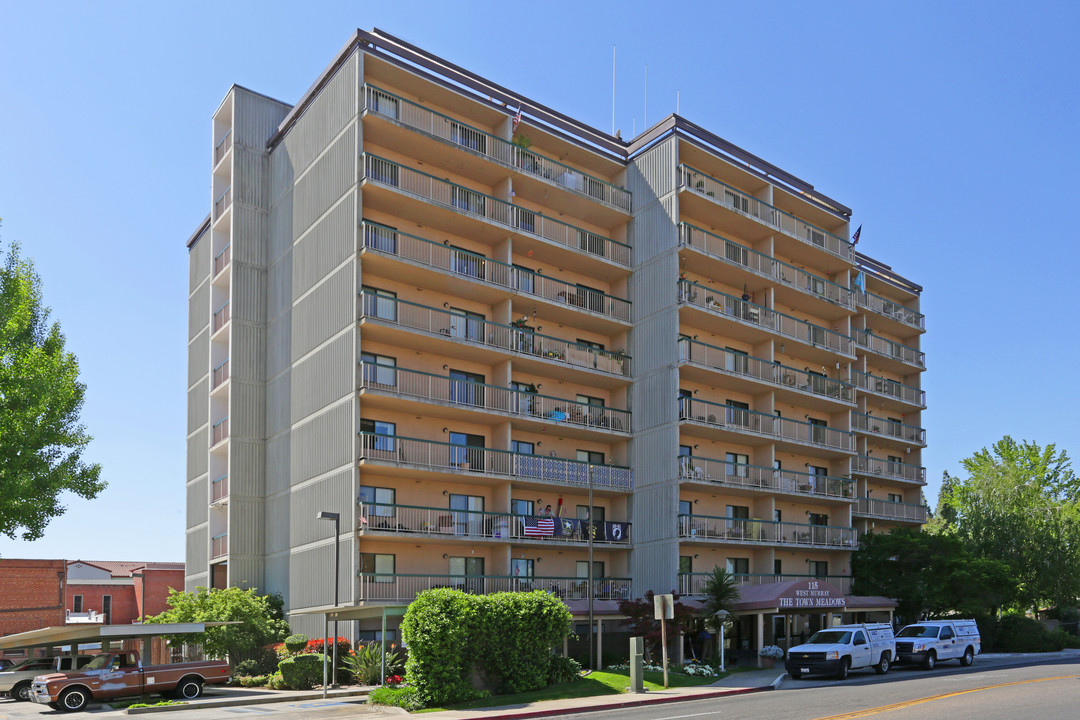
<point>597,683</point>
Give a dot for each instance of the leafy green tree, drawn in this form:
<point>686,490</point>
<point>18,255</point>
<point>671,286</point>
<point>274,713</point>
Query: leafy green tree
<point>41,439</point>
<point>257,624</point>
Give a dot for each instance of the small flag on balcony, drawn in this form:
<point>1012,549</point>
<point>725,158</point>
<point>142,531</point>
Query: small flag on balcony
<point>517,120</point>
<point>855,237</point>
<point>539,527</point>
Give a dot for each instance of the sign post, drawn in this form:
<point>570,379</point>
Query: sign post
<point>664,610</point>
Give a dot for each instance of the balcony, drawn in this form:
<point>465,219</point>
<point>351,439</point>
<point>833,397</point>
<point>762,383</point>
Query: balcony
<point>221,317</point>
<point>769,532</point>
<point>763,321</point>
<point>749,424</point>
<point>219,375</point>
<point>405,588</point>
<point>219,546</point>
<point>417,117</point>
<point>221,204</point>
<point>507,338</point>
<point>219,489</point>
<point>799,384</point>
<point>885,510</point>
<point>762,265</point>
<point>888,469</point>
<point>886,388</point>
<point>694,583</point>
<point>223,147</point>
<point>889,349</point>
<point>465,395</point>
<point>899,432</point>
<point>773,218</point>
<point>693,468</point>
<point>410,520</point>
<point>219,432</point>
<point>890,309</point>
<point>462,264</point>
<point>395,450</point>
<point>221,260</point>
<point>502,214</point>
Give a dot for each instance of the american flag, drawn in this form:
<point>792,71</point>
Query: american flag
<point>517,120</point>
<point>855,237</point>
<point>539,527</point>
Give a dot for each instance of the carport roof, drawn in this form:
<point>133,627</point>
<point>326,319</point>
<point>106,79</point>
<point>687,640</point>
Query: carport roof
<point>83,634</point>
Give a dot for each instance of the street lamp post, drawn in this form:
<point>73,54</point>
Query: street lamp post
<point>722,615</point>
<point>336,518</point>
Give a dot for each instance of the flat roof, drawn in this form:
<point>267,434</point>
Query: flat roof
<point>85,634</point>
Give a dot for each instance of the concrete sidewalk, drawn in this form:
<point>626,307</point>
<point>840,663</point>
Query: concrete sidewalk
<point>735,684</point>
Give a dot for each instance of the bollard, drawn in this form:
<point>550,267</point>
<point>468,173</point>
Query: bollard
<point>637,653</point>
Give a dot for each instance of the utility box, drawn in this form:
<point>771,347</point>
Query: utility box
<point>637,661</point>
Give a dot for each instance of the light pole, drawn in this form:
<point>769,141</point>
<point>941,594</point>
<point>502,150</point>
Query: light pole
<point>336,518</point>
<point>591,530</point>
<point>721,616</point>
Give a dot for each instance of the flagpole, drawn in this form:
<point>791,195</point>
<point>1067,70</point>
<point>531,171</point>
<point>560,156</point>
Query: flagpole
<point>591,530</point>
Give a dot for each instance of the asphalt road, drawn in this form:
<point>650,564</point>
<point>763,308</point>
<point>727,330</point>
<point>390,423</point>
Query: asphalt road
<point>324,709</point>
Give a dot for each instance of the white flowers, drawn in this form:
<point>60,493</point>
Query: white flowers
<point>691,669</point>
<point>772,651</point>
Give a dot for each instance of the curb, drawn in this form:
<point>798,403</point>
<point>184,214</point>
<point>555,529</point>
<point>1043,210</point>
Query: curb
<point>257,700</point>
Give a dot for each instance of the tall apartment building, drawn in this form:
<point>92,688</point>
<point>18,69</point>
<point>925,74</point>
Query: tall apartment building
<point>410,309</point>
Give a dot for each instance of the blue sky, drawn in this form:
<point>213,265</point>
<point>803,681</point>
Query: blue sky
<point>949,128</point>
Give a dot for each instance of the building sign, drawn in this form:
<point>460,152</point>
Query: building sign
<point>811,594</point>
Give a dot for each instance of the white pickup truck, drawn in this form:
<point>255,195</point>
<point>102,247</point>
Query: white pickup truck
<point>15,681</point>
<point>838,649</point>
<point>928,641</point>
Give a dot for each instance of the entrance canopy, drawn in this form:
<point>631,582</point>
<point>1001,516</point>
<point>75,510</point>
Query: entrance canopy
<point>86,634</point>
<point>804,596</point>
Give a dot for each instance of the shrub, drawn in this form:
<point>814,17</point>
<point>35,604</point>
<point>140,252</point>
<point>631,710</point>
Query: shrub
<point>365,663</point>
<point>1060,639</point>
<point>402,697</point>
<point>563,669</point>
<point>254,680</point>
<point>315,645</point>
<point>1019,633</point>
<point>302,672</point>
<point>276,682</point>
<point>295,643</point>
<point>264,664</point>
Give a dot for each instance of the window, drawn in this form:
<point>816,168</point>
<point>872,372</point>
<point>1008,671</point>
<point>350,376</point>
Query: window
<point>736,361</point>
<point>686,507</point>
<point>379,370</point>
<point>819,519</point>
<point>381,499</point>
<point>818,382</point>
<point>816,472</point>
<point>738,566</point>
<point>686,404</point>
<point>370,636</point>
<point>739,512</point>
<point>777,516</point>
<point>895,427</point>
<point>522,447</point>
<point>468,514</point>
<point>583,513</point>
<point>818,568</point>
<point>380,237</point>
<point>383,171</point>
<point>737,515</point>
<point>522,567</point>
<point>467,574</point>
<point>737,464</point>
<point>465,262</point>
<point>468,200</point>
<point>466,324</point>
<point>738,413</point>
<point>737,200</point>
<point>895,464</point>
<point>468,137</point>
<point>686,564</point>
<point>523,397</point>
<point>378,435</point>
<point>590,344</point>
<point>591,243</point>
<point>466,388</point>
<point>590,400</point>
<point>76,604</point>
<point>590,456</point>
<point>583,569</point>
<point>896,498</point>
<point>817,430</point>
<point>736,253</point>
<point>106,608</point>
<point>383,104</point>
<point>588,297</point>
<point>777,568</point>
<point>525,278</point>
<point>521,507</point>
<point>382,566</point>
<point>466,451</point>
<point>381,304</point>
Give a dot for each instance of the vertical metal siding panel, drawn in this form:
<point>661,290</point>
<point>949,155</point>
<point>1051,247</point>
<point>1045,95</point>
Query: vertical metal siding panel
<point>276,511</point>
<point>199,261</point>
<point>198,405</point>
<point>258,118</point>
<point>279,345</point>
<point>196,502</point>
<point>199,311</point>
<point>324,377</point>
<point>247,476</point>
<point>311,581</point>
<point>199,357</point>
<point>197,549</point>
<point>252,226</point>
<point>245,527</point>
<point>325,116</point>
<point>327,180</point>
<point>249,185</point>
<point>324,312</point>
<point>334,494</point>
<point>276,579</point>
<point>325,246</point>
<point>279,293</point>
<point>196,454</point>
<point>278,404</point>
<point>246,572</point>
<point>280,224</point>
<point>323,444</point>
<point>277,466</point>
<point>248,359</point>
<point>248,293</point>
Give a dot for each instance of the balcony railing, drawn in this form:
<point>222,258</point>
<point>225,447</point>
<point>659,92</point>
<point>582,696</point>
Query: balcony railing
<point>889,308</point>
<point>219,489</point>
<point>496,335</point>
<point>894,470</point>
<point>885,427</point>
<point>888,348</point>
<point>761,264</point>
<point>407,519</point>
<point>222,259</point>
<point>730,474</point>
<point>222,202</point>
<point>890,510</point>
<point>379,586</point>
<point>221,316</point>
<point>223,147</point>
<point>736,363</point>
<point>889,388</point>
<point>760,316</point>
<point>448,457</point>
<point>468,394</point>
<point>220,431</point>
<point>751,421</point>
<point>745,204</point>
<point>220,374</point>
<point>390,241</point>
<point>507,215</point>
<point>694,583</point>
<point>407,113</point>
<point>219,546</point>
<point>709,527</point>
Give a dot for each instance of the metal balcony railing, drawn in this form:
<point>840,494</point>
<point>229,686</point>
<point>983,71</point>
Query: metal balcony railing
<point>449,457</point>
<point>761,264</point>
<point>888,348</point>
<point>481,396</point>
<point>745,204</point>
<point>221,316</point>
<point>730,474</point>
<point>397,586</point>
<point>220,374</point>
<point>409,114</point>
<point>223,147</point>
<point>219,489</point>
<point>891,309</point>
<point>890,510</point>
<point>888,388</point>
<point>471,265</point>
<point>222,202</point>
<point>885,427</point>
<point>515,218</point>
<point>750,421</point>
<point>892,469</point>
<point>709,527</point>
<point>219,431</point>
<point>694,583</point>
<point>736,363</point>
<point>495,335</point>
<point>221,260</point>
<point>773,321</point>
<point>410,519</point>
<point>219,546</point>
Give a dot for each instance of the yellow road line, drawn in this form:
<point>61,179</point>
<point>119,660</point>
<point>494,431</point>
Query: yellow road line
<point>909,703</point>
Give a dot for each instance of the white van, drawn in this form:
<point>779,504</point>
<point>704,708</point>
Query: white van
<point>928,641</point>
<point>836,650</point>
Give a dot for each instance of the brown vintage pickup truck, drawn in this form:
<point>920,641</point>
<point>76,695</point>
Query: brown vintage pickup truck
<point>121,674</point>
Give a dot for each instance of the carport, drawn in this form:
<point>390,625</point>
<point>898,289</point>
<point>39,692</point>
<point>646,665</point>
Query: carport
<point>78,635</point>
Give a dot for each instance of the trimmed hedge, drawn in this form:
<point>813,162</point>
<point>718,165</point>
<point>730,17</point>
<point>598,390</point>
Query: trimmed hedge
<point>303,672</point>
<point>296,643</point>
<point>460,644</point>
<point>402,697</point>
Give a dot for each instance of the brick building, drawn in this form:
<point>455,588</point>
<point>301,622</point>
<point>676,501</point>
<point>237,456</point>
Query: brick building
<point>31,594</point>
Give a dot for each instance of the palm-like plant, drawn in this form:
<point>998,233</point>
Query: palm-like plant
<point>721,592</point>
